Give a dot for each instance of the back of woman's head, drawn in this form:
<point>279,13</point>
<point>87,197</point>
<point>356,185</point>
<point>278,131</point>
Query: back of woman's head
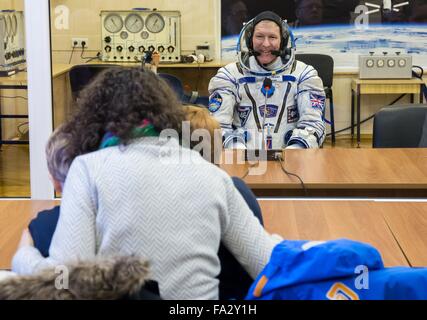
<point>118,100</point>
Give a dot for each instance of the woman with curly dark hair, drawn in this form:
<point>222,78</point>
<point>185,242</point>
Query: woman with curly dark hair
<point>133,195</point>
<point>118,101</point>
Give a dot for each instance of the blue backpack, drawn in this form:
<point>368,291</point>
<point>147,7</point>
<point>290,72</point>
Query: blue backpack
<point>334,270</point>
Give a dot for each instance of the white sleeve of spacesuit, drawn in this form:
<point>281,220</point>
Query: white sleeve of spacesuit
<point>310,131</point>
<point>223,90</point>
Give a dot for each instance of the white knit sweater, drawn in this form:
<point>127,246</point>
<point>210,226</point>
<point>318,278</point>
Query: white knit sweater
<point>144,199</point>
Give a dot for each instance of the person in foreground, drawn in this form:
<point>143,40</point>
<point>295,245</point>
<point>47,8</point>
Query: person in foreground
<point>234,281</point>
<point>134,196</point>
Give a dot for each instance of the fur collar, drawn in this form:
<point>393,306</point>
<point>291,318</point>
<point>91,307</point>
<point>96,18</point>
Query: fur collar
<point>102,278</point>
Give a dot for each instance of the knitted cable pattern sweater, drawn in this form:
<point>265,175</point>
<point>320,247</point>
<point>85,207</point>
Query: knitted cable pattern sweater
<point>158,201</point>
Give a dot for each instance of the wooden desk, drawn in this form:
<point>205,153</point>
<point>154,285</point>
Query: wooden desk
<point>21,77</point>
<point>357,220</point>
<point>390,227</point>
<point>196,80</point>
<point>15,216</point>
<point>341,172</point>
<point>61,95</point>
<point>15,82</point>
<point>59,69</point>
<point>210,64</point>
<point>408,221</point>
<point>384,86</point>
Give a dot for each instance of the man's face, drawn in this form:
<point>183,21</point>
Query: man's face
<point>266,38</point>
<point>310,12</point>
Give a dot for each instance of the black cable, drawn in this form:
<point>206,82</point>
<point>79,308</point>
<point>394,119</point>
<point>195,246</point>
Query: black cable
<point>72,53</point>
<point>98,56</point>
<point>14,97</point>
<point>198,76</point>
<point>81,54</point>
<point>247,171</point>
<point>419,76</point>
<point>245,175</point>
<point>89,58</point>
<point>282,165</point>
<point>348,128</point>
<point>367,119</point>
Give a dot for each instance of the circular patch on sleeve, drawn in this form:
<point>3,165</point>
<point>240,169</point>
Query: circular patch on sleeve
<point>215,102</point>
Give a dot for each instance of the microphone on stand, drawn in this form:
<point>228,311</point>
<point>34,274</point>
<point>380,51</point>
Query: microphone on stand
<point>267,90</point>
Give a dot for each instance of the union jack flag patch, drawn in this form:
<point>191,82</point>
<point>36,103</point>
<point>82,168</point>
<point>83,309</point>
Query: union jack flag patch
<point>317,102</point>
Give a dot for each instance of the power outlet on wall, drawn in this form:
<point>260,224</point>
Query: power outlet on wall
<point>78,42</point>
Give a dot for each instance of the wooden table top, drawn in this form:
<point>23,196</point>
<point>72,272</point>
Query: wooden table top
<point>387,81</point>
<point>21,77</point>
<point>408,221</point>
<point>387,226</point>
<point>210,64</point>
<point>350,169</point>
<point>387,86</point>
<point>15,215</point>
<point>396,229</point>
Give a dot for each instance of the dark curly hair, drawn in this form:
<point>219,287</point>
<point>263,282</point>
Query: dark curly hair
<point>118,100</point>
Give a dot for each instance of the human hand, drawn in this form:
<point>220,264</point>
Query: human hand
<point>156,59</point>
<point>26,239</point>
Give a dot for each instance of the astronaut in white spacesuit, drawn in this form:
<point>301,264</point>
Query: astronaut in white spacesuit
<point>288,113</point>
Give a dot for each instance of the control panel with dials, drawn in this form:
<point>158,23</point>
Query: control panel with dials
<point>12,34</point>
<point>128,35</point>
<point>385,66</point>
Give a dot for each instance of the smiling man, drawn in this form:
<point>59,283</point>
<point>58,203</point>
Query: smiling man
<point>287,113</point>
<point>266,40</point>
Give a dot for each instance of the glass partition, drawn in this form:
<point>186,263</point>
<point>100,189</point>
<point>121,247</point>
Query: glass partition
<point>88,36</point>
<point>14,130</point>
<point>121,32</point>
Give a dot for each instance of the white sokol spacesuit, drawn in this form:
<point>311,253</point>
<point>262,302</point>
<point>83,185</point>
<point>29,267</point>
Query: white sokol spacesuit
<point>294,106</point>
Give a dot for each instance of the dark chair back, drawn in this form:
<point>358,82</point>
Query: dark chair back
<point>175,83</point>
<point>323,63</point>
<point>400,126</point>
<point>203,101</point>
<point>82,75</point>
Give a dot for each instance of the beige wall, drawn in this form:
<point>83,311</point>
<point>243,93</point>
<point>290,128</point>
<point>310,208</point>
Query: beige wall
<point>197,22</point>
<point>18,4</point>
<point>5,4</point>
<point>12,4</point>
